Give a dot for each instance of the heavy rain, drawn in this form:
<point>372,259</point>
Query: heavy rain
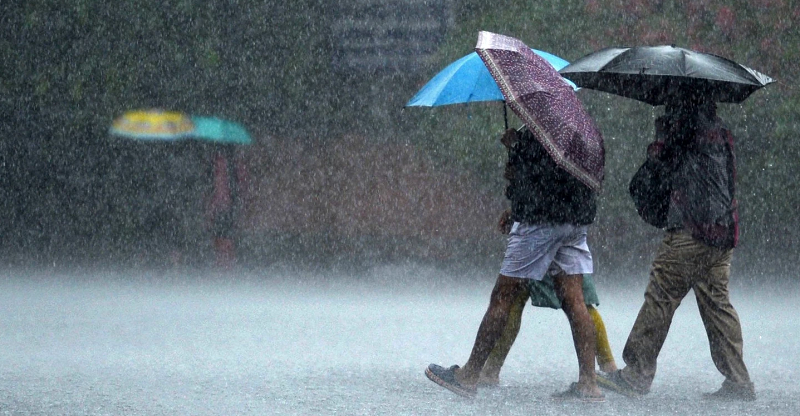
<point>319,261</point>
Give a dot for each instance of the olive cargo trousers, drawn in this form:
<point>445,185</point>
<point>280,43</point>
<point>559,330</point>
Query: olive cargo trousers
<point>683,263</point>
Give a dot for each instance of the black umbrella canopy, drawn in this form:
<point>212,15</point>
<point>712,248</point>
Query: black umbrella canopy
<point>651,74</point>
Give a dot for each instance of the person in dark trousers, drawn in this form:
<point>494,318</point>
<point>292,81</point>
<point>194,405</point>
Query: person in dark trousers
<point>551,211</point>
<point>696,252</point>
<point>223,205</point>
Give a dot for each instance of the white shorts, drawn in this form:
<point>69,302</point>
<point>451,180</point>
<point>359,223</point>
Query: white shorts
<point>534,251</point>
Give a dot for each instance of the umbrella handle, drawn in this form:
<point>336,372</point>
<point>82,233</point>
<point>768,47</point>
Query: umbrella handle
<point>505,114</point>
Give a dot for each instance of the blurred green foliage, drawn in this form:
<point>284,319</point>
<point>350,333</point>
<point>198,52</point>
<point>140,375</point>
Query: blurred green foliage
<point>68,68</point>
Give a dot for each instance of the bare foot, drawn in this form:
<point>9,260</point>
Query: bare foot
<point>581,392</point>
<point>608,367</point>
<point>459,375</point>
<point>486,380</point>
<point>590,390</point>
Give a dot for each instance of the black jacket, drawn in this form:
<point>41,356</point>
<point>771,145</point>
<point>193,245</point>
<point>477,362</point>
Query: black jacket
<point>540,191</point>
<point>703,184</point>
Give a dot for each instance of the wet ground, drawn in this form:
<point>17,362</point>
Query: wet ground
<point>300,343</point>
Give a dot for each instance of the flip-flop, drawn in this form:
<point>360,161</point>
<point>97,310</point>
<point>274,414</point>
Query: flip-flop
<point>446,377</point>
<point>614,382</point>
<point>574,393</point>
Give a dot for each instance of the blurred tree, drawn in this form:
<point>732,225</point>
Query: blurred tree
<point>67,69</point>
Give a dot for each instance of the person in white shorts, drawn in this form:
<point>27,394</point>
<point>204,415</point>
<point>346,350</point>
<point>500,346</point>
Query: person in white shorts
<point>542,294</point>
<point>551,211</point>
<point>536,250</point>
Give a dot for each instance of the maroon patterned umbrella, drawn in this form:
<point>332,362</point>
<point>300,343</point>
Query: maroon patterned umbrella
<point>544,101</point>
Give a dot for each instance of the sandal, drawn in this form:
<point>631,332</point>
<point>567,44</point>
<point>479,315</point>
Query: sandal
<point>613,381</point>
<point>446,377</point>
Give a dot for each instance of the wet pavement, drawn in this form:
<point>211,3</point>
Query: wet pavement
<point>300,343</point>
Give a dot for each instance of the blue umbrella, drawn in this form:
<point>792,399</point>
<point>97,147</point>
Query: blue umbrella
<point>467,80</point>
<point>220,131</point>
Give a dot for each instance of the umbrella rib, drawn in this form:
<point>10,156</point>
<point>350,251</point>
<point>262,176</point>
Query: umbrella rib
<point>449,77</point>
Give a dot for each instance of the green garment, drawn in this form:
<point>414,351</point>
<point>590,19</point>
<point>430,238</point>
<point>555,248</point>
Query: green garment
<point>544,295</point>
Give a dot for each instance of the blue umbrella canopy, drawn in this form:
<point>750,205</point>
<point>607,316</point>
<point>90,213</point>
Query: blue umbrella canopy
<point>467,80</point>
<point>220,131</point>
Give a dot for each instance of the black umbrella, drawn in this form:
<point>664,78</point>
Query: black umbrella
<point>653,73</point>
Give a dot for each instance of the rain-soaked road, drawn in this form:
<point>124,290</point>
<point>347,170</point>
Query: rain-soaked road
<point>289,343</point>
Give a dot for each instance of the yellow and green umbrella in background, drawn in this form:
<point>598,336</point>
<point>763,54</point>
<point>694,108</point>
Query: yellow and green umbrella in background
<point>164,179</point>
<point>173,125</point>
<point>153,125</point>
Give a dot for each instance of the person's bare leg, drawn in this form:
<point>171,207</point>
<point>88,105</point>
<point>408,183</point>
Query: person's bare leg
<point>605,358</point>
<point>505,291</point>
<point>490,374</point>
<point>569,289</point>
